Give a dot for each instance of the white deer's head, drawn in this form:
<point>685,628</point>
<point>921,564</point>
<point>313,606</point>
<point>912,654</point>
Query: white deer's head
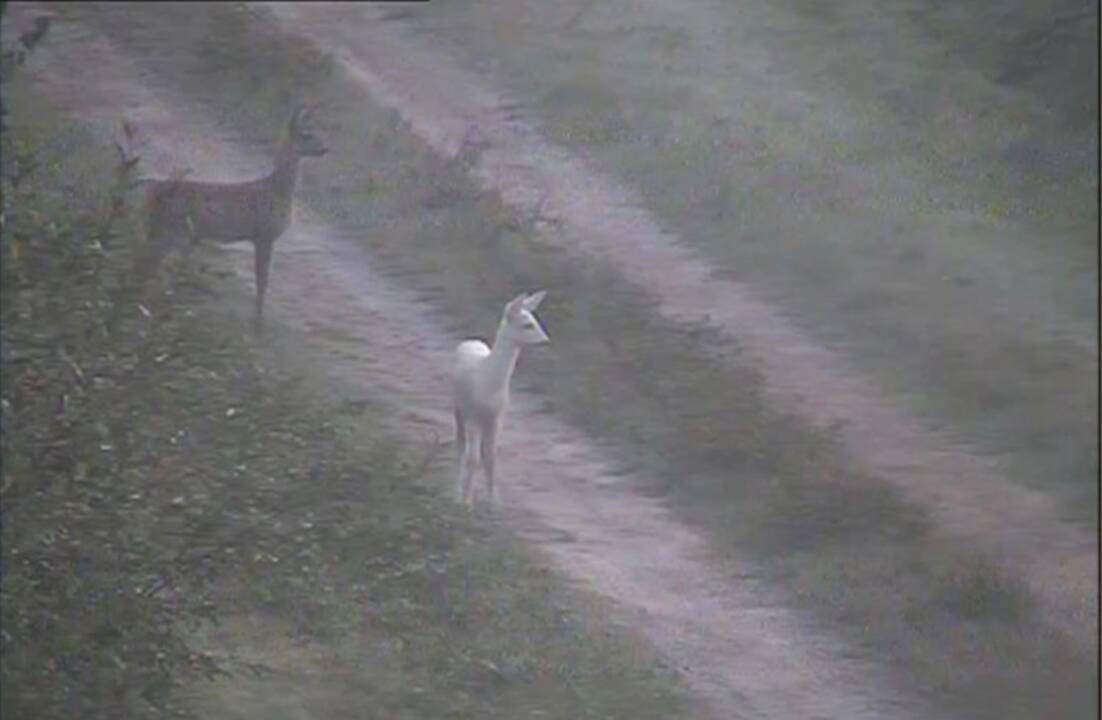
<point>519,322</point>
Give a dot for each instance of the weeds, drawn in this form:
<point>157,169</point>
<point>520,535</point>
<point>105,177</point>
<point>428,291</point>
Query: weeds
<point>91,593</point>
<point>180,515</point>
<point>761,483</point>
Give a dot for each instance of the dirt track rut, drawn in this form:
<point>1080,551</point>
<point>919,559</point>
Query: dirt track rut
<point>739,648</point>
<point>968,493</point>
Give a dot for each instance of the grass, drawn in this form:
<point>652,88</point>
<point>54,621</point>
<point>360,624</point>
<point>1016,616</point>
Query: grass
<point>952,280</point>
<point>845,547</point>
<point>177,501</point>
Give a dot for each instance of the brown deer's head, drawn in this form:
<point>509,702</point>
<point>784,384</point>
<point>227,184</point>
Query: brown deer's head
<point>301,137</point>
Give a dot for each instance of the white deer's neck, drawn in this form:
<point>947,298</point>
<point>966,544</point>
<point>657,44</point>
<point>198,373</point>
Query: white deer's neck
<point>502,361</point>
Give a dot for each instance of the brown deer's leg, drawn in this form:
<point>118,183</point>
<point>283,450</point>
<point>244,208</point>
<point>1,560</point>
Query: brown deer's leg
<point>262,257</point>
<point>136,283</point>
<point>148,260</point>
<point>187,249</point>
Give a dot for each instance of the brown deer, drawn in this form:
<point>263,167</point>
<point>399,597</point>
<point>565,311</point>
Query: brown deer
<point>180,213</point>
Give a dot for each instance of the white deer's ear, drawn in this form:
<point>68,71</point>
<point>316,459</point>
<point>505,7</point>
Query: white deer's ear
<point>514,305</point>
<point>533,301</point>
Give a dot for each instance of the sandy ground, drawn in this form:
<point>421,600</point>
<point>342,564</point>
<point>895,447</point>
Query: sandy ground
<point>738,646</point>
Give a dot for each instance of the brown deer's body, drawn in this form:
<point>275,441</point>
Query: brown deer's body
<point>180,213</point>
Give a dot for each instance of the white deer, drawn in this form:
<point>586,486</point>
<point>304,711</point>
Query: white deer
<point>480,388</point>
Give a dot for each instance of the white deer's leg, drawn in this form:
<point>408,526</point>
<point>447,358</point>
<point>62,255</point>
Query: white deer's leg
<point>461,452</point>
<point>470,464</point>
<point>488,450</point>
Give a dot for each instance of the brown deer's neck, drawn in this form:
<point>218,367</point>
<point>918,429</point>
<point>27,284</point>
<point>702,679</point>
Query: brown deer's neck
<point>285,175</point>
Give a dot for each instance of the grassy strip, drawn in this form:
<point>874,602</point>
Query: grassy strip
<point>926,294</point>
<point>844,545</point>
<point>169,484</point>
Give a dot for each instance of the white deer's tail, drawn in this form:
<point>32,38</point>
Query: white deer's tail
<point>471,352</point>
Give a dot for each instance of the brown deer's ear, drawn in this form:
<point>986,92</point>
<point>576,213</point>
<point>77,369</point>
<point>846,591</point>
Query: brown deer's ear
<point>297,117</point>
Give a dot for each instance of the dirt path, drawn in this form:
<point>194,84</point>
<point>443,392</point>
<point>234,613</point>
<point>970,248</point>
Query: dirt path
<point>739,648</point>
<point>968,493</point>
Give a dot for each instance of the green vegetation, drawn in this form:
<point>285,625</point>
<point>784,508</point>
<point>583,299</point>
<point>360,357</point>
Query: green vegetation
<point>955,264</point>
<point>761,483</point>
<point>178,506</point>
